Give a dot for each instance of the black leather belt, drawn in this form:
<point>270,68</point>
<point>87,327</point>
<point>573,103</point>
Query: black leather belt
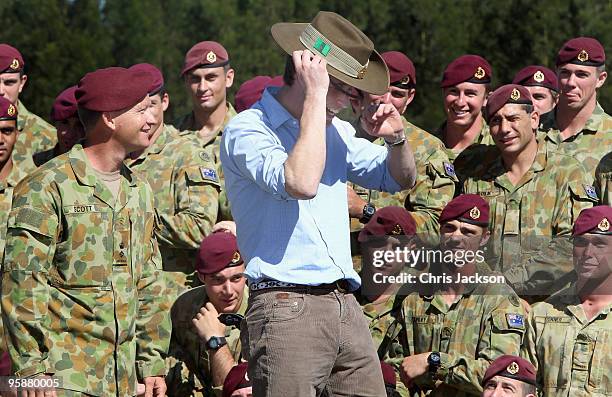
<point>340,286</point>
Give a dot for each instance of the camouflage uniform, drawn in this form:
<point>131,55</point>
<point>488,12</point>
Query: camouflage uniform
<point>468,157</point>
<point>186,126</point>
<point>526,219</point>
<point>573,355</point>
<point>603,180</point>
<point>80,292</point>
<point>592,147</point>
<point>189,371</point>
<point>186,187</point>
<point>487,321</point>
<point>35,134</point>
<point>43,157</point>
<point>434,187</point>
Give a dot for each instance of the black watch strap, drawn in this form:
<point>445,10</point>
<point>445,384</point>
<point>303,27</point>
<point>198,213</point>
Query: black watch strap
<point>215,342</point>
<point>367,213</point>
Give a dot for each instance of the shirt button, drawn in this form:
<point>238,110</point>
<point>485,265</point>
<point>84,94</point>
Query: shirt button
<point>121,245</point>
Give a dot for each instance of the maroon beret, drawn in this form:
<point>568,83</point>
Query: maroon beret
<point>594,220</point>
<point>388,374</point>
<point>251,90</point>
<point>8,111</point>
<point>471,68</point>
<point>65,105</point>
<point>470,208</point>
<point>538,76</point>
<point>218,251</point>
<point>110,89</point>
<point>512,367</point>
<point>236,379</point>
<point>11,60</point>
<point>205,54</point>
<point>402,73</point>
<point>509,93</point>
<point>389,221</point>
<point>582,51</point>
<point>157,78</point>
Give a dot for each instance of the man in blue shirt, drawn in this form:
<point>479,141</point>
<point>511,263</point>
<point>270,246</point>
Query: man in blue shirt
<point>287,161</point>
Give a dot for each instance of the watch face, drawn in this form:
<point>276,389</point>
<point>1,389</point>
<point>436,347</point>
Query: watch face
<point>369,210</point>
<point>435,358</point>
<point>213,343</point>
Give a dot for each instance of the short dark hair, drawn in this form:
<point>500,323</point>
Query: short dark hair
<point>528,108</point>
<point>289,75</point>
<point>89,118</point>
<point>528,388</point>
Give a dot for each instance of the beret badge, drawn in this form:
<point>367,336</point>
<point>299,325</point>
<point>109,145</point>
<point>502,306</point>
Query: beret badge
<point>480,73</point>
<point>211,57</point>
<point>604,225</point>
<point>11,110</point>
<point>15,64</point>
<point>405,80</point>
<point>538,76</point>
<point>397,230</point>
<point>515,94</point>
<point>475,213</point>
<point>513,368</point>
<point>583,56</point>
<point>236,258</point>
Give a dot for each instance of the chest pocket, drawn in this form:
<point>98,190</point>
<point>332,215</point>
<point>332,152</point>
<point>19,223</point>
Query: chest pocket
<point>142,229</point>
<point>423,328</point>
<point>83,256</point>
<point>553,349</point>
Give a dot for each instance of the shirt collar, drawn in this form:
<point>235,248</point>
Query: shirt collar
<point>277,114</point>
<point>82,168</point>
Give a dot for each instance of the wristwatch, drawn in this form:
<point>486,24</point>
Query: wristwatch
<point>215,342</point>
<point>368,212</point>
<point>434,361</point>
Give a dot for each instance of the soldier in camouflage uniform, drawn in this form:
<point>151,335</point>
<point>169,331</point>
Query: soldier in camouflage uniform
<point>81,291</point>
<point>36,135</point>
<point>510,376</point>
<point>69,128</point>
<point>542,84</point>
<point>389,228</point>
<point>454,328</point>
<point>581,127</point>
<point>568,337</point>
<point>435,184</point>
<point>184,179</point>
<point>207,75</point>
<point>603,179</point>
<point>202,349</point>
<point>534,196</point>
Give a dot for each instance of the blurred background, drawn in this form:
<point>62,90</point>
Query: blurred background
<point>61,40</point>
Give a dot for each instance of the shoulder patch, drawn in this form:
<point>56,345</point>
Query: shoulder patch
<point>515,320</point>
<point>209,173</point>
<point>590,191</point>
<point>449,169</point>
<point>204,156</point>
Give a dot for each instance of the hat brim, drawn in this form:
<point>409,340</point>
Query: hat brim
<point>376,79</point>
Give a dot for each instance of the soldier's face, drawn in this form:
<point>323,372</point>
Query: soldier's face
<point>400,98</point>
<point>578,84</point>
<point>512,128</point>
<point>69,132</point>
<point>208,86</point>
<point>593,256</point>
<point>159,104</point>
<point>500,386</point>
<point>463,103</point>
<point>8,137</point>
<point>225,289</point>
<point>11,85</point>
<point>462,236</point>
<point>244,392</point>
<point>543,99</point>
<point>133,126</point>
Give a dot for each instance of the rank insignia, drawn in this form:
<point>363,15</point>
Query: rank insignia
<point>590,191</point>
<point>475,213</point>
<point>513,368</point>
<point>11,110</point>
<point>583,56</point>
<point>538,76</point>
<point>209,173</point>
<point>15,64</point>
<point>480,73</point>
<point>397,230</point>
<point>515,320</point>
<point>236,258</point>
<point>211,57</point>
<point>449,169</point>
<point>604,225</point>
<point>515,95</point>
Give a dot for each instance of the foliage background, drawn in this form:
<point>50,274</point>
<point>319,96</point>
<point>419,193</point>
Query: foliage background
<point>61,40</point>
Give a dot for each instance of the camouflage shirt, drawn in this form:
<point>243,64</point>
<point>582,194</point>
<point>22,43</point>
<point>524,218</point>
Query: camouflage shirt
<point>81,294</point>
<point>485,322</point>
<point>189,369</point>
<point>186,190</point>
<point>434,187</point>
<point>573,355</point>
<point>35,134</point>
<point>592,147</point>
<point>186,126</point>
<point>483,139</point>
<point>531,222</point>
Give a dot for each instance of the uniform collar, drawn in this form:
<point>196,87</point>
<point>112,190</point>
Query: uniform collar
<point>277,114</point>
<point>592,125</point>
<point>22,113</point>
